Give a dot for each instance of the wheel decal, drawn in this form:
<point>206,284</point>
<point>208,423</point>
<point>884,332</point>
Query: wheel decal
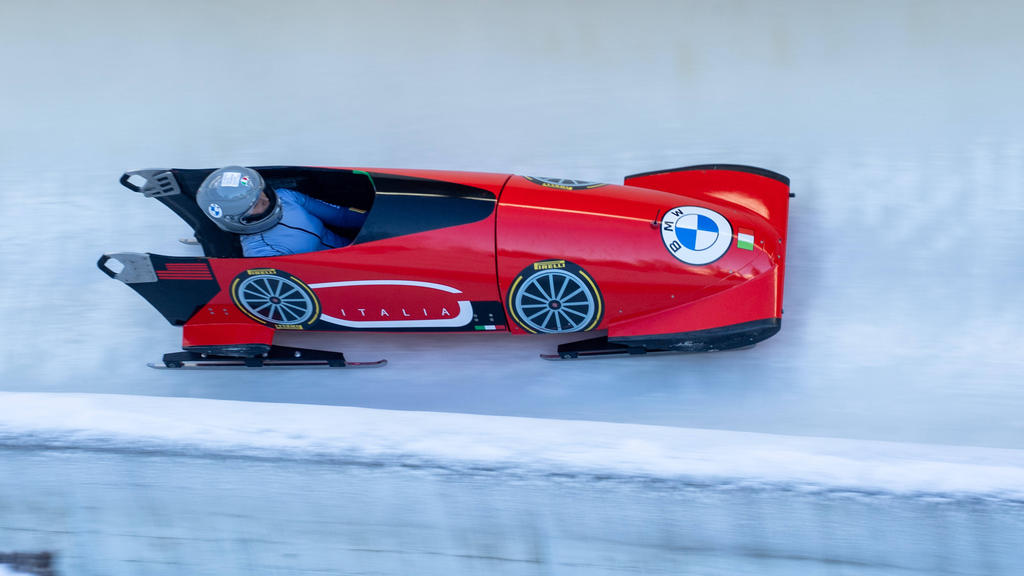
<point>273,297</point>
<point>554,297</point>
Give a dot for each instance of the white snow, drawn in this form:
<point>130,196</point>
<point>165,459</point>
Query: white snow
<point>525,445</point>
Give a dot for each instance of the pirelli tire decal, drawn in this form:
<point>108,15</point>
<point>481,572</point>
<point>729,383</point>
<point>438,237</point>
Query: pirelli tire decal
<point>555,296</point>
<point>275,298</point>
<point>564,183</point>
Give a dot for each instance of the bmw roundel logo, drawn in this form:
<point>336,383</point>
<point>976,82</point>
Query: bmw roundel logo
<point>696,235</point>
<point>214,210</point>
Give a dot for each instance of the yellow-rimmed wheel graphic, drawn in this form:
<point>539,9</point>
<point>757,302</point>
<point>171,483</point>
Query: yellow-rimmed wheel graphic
<point>275,297</point>
<point>555,296</point>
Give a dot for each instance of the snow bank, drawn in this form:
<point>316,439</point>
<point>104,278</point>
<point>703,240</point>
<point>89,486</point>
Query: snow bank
<point>464,442</point>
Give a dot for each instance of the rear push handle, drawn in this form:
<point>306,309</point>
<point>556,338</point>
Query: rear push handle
<point>103,266</point>
<point>154,182</point>
<point>129,267</point>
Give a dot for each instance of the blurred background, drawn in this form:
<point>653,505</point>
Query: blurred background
<point>899,124</point>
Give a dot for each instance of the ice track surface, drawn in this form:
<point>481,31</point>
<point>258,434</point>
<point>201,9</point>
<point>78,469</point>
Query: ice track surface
<point>172,485</point>
<point>899,125</point>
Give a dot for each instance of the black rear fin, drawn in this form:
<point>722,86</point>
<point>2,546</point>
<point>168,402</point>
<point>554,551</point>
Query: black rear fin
<point>177,287</point>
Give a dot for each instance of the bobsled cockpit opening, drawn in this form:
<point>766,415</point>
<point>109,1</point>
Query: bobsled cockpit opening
<point>350,188</point>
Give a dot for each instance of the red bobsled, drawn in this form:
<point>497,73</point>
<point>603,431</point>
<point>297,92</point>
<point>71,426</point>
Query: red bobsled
<point>687,259</point>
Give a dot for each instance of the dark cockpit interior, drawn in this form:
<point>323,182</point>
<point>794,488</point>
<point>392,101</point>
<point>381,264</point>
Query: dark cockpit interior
<point>397,205</point>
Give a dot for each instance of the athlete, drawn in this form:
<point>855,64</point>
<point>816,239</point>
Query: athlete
<point>272,222</point>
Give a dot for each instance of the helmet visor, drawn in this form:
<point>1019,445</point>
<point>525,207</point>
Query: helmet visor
<point>258,212</point>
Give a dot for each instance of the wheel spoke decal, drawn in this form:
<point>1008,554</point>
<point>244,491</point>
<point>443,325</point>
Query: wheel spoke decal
<point>256,290</point>
<point>534,288</point>
<point>533,305</point>
<point>581,314</point>
<point>551,284</point>
<point>558,320</point>
<point>544,300</point>
<point>569,297</point>
<point>250,294</point>
<point>537,314</point>
<point>544,323</point>
<point>584,304</point>
<point>561,290</point>
<point>568,320</point>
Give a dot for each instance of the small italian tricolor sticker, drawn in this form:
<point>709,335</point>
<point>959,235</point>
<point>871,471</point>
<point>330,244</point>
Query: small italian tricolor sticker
<point>745,239</point>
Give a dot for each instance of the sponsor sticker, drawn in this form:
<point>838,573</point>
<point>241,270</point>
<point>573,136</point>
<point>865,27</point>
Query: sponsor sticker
<point>696,235</point>
<point>564,183</point>
<point>413,305</point>
<point>215,210</point>
<point>549,265</point>
<point>230,179</point>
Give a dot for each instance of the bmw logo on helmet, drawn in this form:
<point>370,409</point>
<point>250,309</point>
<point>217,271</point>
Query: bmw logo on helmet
<point>696,235</point>
<point>215,210</point>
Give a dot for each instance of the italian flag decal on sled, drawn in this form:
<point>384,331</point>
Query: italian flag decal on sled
<point>745,239</point>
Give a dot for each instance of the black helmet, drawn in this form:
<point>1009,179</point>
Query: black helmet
<point>228,195</point>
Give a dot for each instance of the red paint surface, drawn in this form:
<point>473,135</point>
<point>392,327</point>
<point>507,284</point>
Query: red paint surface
<point>612,232</point>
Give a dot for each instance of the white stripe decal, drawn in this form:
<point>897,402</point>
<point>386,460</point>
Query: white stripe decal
<point>464,316</point>
<point>440,287</point>
<point>461,319</point>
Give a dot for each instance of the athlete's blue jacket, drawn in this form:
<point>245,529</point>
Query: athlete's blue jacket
<point>302,228</point>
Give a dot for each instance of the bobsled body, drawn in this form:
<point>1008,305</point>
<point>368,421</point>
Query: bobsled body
<point>683,259</point>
